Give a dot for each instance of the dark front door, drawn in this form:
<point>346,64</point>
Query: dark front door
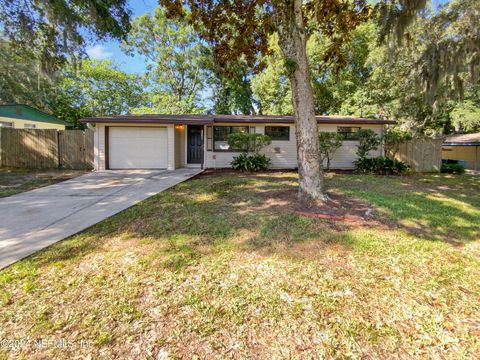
<point>195,144</point>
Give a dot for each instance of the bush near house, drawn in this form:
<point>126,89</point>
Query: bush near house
<point>381,166</point>
<point>249,143</point>
<point>368,141</point>
<point>255,162</point>
<point>329,143</point>
<point>452,169</point>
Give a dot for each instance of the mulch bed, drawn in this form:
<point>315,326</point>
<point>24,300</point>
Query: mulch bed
<point>338,207</point>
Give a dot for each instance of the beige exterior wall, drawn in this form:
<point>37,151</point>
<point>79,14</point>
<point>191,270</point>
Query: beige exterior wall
<point>471,154</point>
<point>284,153</point>
<point>20,124</point>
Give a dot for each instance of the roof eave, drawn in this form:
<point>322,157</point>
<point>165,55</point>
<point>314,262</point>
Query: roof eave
<point>474,143</point>
<point>207,121</point>
<point>145,121</point>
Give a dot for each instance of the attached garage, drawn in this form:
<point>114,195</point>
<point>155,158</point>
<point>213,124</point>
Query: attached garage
<point>137,148</point>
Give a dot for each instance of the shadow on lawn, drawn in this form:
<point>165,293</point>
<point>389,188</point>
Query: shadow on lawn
<point>216,212</point>
<point>432,207</point>
<point>199,217</point>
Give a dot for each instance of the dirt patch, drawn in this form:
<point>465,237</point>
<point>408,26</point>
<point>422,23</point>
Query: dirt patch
<point>337,208</point>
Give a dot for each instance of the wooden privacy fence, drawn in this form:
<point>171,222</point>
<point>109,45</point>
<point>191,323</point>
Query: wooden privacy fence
<point>423,155</point>
<point>46,149</point>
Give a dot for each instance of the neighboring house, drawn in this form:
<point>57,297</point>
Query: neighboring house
<point>174,141</point>
<point>19,116</point>
<point>463,147</point>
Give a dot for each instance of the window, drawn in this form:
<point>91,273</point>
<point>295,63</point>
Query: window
<point>278,132</point>
<point>30,126</point>
<point>220,136</point>
<point>6,124</point>
<point>348,133</point>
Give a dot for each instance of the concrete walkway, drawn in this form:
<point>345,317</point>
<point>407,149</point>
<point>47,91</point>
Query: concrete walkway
<point>36,219</point>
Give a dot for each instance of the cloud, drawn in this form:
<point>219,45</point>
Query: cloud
<point>98,52</point>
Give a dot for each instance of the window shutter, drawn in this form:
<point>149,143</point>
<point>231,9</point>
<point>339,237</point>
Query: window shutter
<point>251,129</point>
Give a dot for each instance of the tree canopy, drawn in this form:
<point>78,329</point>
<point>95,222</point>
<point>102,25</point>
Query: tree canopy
<point>55,29</point>
<point>97,88</point>
<point>176,61</point>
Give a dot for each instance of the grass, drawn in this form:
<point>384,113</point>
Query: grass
<point>207,270</point>
<point>16,181</point>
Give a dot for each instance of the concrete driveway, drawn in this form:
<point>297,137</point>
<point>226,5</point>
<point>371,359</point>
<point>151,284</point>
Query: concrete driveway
<point>36,219</point>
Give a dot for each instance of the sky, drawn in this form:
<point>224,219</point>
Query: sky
<point>136,64</point>
<point>111,49</point>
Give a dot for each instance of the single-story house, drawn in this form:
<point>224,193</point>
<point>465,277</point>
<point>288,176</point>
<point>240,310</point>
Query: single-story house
<point>175,141</point>
<point>463,147</point>
<point>20,116</point>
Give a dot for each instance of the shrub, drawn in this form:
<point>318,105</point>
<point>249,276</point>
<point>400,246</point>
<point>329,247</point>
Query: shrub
<point>452,169</point>
<point>368,140</point>
<point>381,165</point>
<point>329,143</point>
<point>255,162</point>
<point>247,142</point>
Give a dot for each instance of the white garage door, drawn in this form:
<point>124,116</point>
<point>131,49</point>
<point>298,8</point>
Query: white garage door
<point>137,148</point>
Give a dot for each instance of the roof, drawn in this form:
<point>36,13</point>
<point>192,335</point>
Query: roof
<point>463,140</point>
<point>233,119</point>
<point>26,112</point>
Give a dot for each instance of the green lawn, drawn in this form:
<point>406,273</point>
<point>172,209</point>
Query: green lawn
<point>16,181</point>
<point>209,269</point>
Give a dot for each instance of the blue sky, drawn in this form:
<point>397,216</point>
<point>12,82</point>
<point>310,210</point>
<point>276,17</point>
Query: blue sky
<point>135,64</point>
<point>111,49</point>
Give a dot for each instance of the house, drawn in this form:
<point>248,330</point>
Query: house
<point>20,116</point>
<point>175,141</point>
<point>463,147</point>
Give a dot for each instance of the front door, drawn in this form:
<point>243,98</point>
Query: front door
<point>194,144</point>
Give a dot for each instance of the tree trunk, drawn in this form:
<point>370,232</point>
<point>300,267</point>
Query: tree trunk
<point>292,42</point>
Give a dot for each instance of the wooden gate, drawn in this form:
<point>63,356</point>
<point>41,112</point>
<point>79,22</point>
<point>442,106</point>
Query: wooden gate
<point>75,149</point>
